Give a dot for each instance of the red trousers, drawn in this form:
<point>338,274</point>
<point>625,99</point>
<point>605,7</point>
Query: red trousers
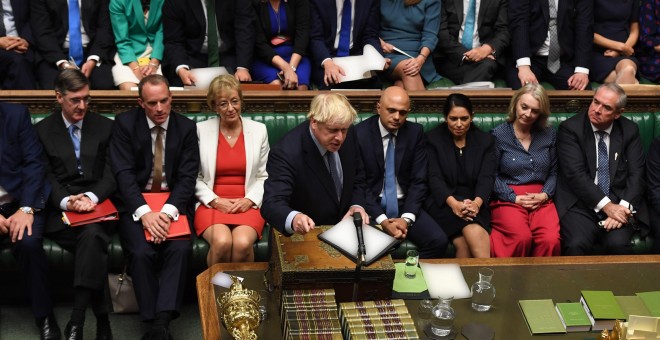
<point>518,232</point>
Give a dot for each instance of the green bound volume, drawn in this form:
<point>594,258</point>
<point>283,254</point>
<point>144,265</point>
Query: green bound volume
<point>652,302</point>
<point>541,316</point>
<point>632,305</point>
<point>602,308</point>
<point>573,316</point>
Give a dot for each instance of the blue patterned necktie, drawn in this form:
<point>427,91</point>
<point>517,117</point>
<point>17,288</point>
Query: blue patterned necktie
<point>75,37</point>
<point>603,164</point>
<point>468,31</point>
<point>389,201</point>
<point>76,144</point>
<point>344,45</point>
<point>332,168</point>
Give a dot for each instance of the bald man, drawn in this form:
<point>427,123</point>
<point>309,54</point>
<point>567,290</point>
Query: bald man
<point>396,202</point>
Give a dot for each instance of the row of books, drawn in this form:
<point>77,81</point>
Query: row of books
<point>596,311</point>
<point>310,314</point>
<point>381,319</point>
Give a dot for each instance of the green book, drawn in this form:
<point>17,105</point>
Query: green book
<point>602,308</point>
<point>573,316</point>
<point>632,305</point>
<point>541,316</point>
<point>652,302</point>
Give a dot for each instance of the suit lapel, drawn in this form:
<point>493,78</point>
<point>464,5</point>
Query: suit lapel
<point>3,133</point>
<point>401,142</point>
<point>545,8</point>
<point>61,137</point>
<point>482,9</point>
<point>459,11</point>
<point>315,162</point>
<point>88,145</point>
<point>590,147</point>
<point>249,153</point>
<point>377,141</point>
<point>171,143</point>
<point>198,12</point>
<point>139,14</point>
<point>616,152</point>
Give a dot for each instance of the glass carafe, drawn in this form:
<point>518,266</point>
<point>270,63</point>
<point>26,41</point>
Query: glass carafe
<point>443,316</point>
<point>483,291</point>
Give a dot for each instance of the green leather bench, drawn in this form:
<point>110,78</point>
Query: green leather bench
<point>278,124</point>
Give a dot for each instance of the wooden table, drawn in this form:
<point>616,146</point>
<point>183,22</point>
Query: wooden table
<point>557,278</point>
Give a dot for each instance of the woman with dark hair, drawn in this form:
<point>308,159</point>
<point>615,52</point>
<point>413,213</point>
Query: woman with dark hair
<point>461,172</point>
<point>230,186</point>
<point>616,30</point>
<point>282,35</point>
<point>524,218</point>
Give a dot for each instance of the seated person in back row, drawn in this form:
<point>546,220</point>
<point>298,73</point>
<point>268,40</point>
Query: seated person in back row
<point>601,176</point>
<point>395,161</point>
<point>200,33</point>
<point>315,174</point>
<point>334,34</point>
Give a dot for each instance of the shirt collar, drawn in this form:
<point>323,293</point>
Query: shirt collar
<point>322,150</point>
<point>608,130</point>
<point>164,125</point>
<point>384,132</point>
<point>67,123</point>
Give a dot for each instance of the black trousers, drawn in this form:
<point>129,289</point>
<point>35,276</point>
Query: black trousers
<point>580,232</point>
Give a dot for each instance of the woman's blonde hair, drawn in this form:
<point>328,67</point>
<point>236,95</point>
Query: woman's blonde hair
<point>332,108</point>
<point>538,92</point>
<point>222,85</point>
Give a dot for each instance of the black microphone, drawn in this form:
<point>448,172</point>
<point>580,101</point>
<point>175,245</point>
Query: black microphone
<point>357,219</point>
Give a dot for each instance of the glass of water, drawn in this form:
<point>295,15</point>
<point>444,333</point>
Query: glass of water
<point>263,305</point>
<point>442,317</point>
<point>483,291</point>
<point>412,259</point>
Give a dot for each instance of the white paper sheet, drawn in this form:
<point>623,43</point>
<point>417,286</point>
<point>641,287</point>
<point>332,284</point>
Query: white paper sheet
<point>204,76</point>
<point>445,280</point>
<point>360,66</point>
<point>344,235</point>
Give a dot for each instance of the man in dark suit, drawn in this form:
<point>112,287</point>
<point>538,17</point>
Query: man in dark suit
<point>22,197</point>
<point>186,32</point>
<point>601,176</point>
<point>87,43</point>
<point>653,178</point>
<point>76,147</point>
<point>16,54</point>
<point>550,41</point>
<point>325,39</point>
<point>388,133</point>
<point>483,52</point>
<point>315,175</point>
<point>155,150</point>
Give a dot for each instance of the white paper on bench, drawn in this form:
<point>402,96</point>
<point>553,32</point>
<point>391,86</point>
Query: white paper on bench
<point>445,280</point>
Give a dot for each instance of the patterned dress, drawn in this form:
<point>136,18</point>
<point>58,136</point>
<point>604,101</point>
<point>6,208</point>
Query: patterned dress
<point>649,37</point>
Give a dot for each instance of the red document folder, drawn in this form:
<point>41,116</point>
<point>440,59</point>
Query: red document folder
<point>178,229</point>
<point>104,211</point>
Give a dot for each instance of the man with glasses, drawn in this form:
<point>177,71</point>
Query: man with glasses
<point>315,174</point>
<point>22,197</point>
<point>76,145</point>
<point>601,176</point>
<point>155,150</point>
<point>394,156</point>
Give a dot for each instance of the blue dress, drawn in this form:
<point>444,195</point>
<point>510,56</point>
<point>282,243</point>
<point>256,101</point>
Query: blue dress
<point>612,20</point>
<point>264,70</point>
<point>410,28</point>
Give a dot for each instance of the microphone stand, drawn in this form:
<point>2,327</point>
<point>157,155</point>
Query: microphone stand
<point>361,252</point>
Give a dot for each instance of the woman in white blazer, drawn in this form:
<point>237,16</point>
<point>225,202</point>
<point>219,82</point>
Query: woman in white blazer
<point>230,185</point>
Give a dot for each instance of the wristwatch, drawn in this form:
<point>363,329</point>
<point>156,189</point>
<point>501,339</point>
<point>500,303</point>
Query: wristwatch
<point>27,210</point>
<point>409,221</point>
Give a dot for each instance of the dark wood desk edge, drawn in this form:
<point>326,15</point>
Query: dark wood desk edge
<point>209,315</point>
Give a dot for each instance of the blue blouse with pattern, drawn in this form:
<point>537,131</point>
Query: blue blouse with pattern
<point>517,166</point>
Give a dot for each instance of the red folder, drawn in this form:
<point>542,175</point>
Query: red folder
<point>179,229</point>
<point>104,211</point>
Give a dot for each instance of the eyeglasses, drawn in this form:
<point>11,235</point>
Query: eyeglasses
<point>77,101</point>
<point>225,105</point>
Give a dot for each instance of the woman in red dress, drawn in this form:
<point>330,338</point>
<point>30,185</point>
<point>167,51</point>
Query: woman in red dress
<point>230,185</point>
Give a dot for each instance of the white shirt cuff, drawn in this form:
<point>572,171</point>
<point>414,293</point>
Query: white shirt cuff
<point>380,218</point>
<point>170,210</point>
<point>180,67</point>
<point>323,62</point>
<point>242,68</point>
<point>96,58</point>
<point>137,215</point>
<point>581,70</point>
<point>626,204</point>
<point>63,203</point>
<point>411,216</point>
<point>523,62</point>
<point>602,204</point>
<point>92,197</point>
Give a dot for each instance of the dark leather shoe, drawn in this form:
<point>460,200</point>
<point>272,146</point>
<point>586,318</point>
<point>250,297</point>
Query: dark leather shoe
<point>158,333</point>
<point>73,332</point>
<point>103,334</point>
<point>48,328</point>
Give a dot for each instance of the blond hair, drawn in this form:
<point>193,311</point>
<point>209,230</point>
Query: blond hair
<point>538,92</point>
<point>223,84</point>
<point>332,108</point>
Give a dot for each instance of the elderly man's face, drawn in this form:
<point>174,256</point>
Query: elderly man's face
<point>603,110</point>
<point>74,104</point>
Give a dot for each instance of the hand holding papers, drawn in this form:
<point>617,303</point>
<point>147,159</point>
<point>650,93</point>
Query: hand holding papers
<point>344,238</point>
<point>360,66</point>
<point>104,211</point>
